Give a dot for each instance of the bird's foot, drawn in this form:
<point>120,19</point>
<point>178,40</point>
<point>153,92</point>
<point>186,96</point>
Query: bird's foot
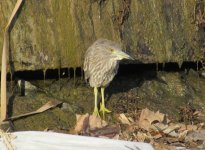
<point>95,112</point>
<point>104,110</point>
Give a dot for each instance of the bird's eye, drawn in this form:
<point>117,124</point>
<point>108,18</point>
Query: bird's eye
<point>111,50</point>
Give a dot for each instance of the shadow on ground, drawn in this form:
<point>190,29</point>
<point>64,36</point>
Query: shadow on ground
<point>129,92</point>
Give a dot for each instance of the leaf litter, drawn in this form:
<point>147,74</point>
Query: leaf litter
<point>91,125</point>
<point>147,126</point>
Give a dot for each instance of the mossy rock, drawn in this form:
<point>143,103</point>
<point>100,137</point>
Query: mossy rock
<point>52,33</point>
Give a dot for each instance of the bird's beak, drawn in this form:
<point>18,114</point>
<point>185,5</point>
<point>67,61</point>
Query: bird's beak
<point>122,55</point>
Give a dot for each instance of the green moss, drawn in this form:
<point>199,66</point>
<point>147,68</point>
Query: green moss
<point>53,34</point>
<point>163,91</point>
<point>52,119</point>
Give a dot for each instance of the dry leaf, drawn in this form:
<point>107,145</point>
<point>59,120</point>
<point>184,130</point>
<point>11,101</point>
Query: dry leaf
<point>159,127</point>
<point>147,117</point>
<point>182,135</point>
<point>161,146</point>
<point>131,119</point>
<point>94,125</point>
<point>141,136</point>
<point>96,122</point>
<point>108,131</point>
<point>157,136</point>
<point>82,123</point>
<point>116,137</point>
<point>170,130</point>
<point>144,124</point>
<point>48,105</point>
<point>123,119</point>
<point>196,136</point>
<point>156,130</point>
<point>188,127</point>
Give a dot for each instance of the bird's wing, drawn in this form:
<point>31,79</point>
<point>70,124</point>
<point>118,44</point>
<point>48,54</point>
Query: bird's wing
<point>90,60</point>
<point>86,66</point>
<point>86,69</point>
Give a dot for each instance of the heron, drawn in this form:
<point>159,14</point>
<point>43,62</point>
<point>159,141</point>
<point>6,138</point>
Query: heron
<point>101,63</point>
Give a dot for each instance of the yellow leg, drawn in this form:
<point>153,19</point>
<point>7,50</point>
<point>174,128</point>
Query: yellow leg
<point>102,105</point>
<point>95,112</point>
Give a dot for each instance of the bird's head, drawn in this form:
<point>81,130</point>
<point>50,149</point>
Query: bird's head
<point>118,54</point>
<point>112,50</point>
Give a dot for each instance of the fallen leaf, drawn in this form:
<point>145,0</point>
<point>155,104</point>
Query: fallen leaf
<point>161,146</point>
<point>196,136</point>
<point>109,131</point>
<point>188,127</point>
<point>131,119</point>
<point>48,105</point>
<point>157,136</point>
<point>123,119</point>
<point>144,124</point>
<point>197,113</point>
<point>116,137</point>
<point>82,123</point>
<point>147,117</point>
<point>170,130</point>
<point>182,135</point>
<point>94,126</point>
<point>96,122</point>
<point>141,136</point>
<point>159,127</point>
<point>156,130</point>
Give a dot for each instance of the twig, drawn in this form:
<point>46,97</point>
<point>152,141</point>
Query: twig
<point>4,63</point>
